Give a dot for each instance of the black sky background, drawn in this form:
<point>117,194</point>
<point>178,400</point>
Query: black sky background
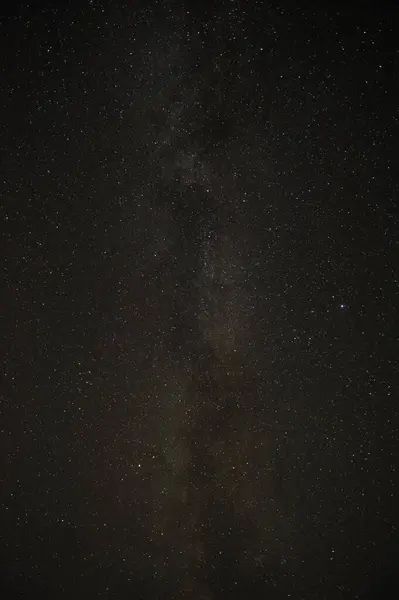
<point>199,388</point>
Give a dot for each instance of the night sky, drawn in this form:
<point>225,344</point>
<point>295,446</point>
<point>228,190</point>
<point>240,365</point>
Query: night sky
<point>200,231</point>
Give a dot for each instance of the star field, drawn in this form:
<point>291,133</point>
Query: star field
<point>200,233</point>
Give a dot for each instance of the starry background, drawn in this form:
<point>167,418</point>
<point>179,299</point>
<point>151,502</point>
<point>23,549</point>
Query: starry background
<point>198,395</point>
